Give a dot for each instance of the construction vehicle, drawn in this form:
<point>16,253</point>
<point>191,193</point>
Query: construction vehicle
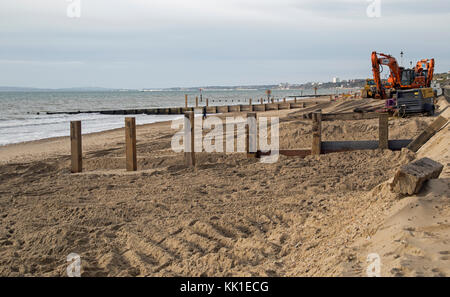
<point>369,90</point>
<point>406,90</point>
<point>400,78</point>
<point>411,101</point>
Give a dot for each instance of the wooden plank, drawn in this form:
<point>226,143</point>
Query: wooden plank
<point>76,146</point>
<point>296,105</point>
<point>289,153</point>
<point>350,116</point>
<point>272,106</point>
<point>189,139</point>
<point>251,138</point>
<point>284,106</point>
<point>130,142</point>
<point>222,109</point>
<point>211,109</point>
<point>316,133</point>
<point>259,107</point>
<point>423,137</point>
<point>343,146</point>
<point>383,131</point>
<point>410,178</point>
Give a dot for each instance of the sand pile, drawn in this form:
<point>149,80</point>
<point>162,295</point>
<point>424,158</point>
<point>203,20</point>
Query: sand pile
<point>414,239</point>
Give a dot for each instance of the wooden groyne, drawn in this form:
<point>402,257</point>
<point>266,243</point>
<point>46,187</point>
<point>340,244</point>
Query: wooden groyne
<point>260,106</point>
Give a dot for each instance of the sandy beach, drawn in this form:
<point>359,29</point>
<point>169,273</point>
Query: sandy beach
<point>230,216</point>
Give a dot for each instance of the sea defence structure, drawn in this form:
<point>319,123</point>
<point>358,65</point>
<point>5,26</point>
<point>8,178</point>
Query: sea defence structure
<point>260,105</point>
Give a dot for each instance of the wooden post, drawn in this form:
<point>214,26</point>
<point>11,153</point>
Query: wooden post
<point>189,139</point>
<point>262,101</point>
<point>316,133</point>
<point>76,147</point>
<point>207,102</point>
<point>284,100</point>
<point>130,142</point>
<point>186,100</point>
<point>196,101</point>
<point>383,131</point>
<point>251,141</point>
<point>250,104</point>
<point>295,99</point>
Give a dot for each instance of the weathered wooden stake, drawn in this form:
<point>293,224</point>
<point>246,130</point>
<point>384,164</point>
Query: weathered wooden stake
<point>262,101</point>
<point>130,144</point>
<point>251,140</point>
<point>76,147</point>
<point>189,139</point>
<point>207,102</point>
<point>186,100</point>
<point>284,100</point>
<point>196,101</point>
<point>316,133</point>
<point>383,131</point>
<point>295,99</point>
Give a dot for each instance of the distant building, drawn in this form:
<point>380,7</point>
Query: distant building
<point>284,86</point>
<point>336,80</point>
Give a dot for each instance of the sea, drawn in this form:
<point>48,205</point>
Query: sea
<point>23,114</point>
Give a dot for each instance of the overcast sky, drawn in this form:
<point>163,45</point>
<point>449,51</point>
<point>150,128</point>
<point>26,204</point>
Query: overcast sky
<point>166,43</point>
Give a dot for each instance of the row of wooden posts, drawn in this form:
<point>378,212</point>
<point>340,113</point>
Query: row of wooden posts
<point>261,101</point>
<point>317,147</point>
<point>130,142</point>
<point>130,145</point>
<point>272,100</point>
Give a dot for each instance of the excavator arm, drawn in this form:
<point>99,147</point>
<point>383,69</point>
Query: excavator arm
<point>376,75</point>
<point>430,66</point>
<point>383,59</point>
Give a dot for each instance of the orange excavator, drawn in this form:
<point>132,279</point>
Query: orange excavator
<point>400,78</point>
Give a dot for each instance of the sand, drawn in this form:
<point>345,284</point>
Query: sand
<point>231,216</point>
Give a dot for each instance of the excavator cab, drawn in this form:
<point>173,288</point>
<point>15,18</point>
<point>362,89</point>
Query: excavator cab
<point>407,77</point>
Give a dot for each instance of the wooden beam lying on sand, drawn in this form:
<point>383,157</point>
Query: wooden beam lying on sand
<point>350,116</point>
<point>76,146</point>
<point>423,137</point>
<point>410,177</point>
<point>130,142</point>
<point>344,146</point>
<point>290,153</point>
